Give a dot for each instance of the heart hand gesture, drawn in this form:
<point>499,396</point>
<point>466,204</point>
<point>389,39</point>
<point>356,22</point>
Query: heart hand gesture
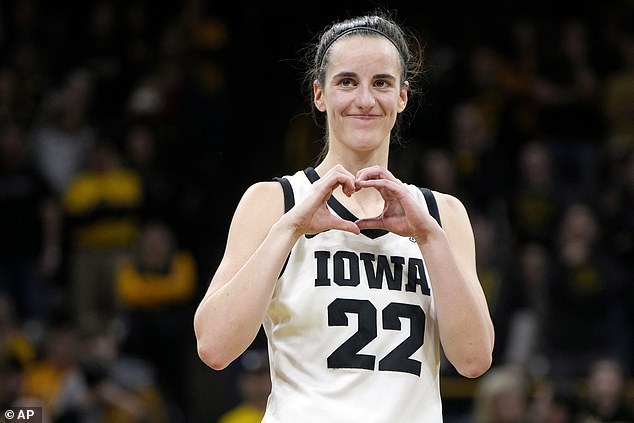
<point>312,215</point>
<point>402,213</point>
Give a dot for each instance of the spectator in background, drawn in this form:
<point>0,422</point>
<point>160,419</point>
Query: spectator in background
<point>140,50</point>
<point>254,386</point>
<point>473,148</point>
<point>437,170</point>
<point>13,342</point>
<point>24,53</point>
<point>502,396</point>
<point>12,376</point>
<point>525,343</point>
<point>493,267</point>
<point>62,136</point>
<point>30,82</point>
<point>519,118</point>
<point>618,104</point>
<point>30,229</point>
<point>617,213</point>
<point>567,92</point>
<point>55,378</point>
<point>121,389</point>
<point>604,400</point>
<point>554,403</point>
<point>485,92</point>
<point>587,297</point>
<point>617,207</point>
<point>101,52</point>
<point>536,198</point>
<point>144,154</point>
<point>101,207</point>
<point>155,287</point>
<point>17,352</point>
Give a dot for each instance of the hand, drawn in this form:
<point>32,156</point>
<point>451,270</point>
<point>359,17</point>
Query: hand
<point>402,214</point>
<point>312,214</point>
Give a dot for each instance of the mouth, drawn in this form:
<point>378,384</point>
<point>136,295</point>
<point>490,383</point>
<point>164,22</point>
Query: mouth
<point>364,117</point>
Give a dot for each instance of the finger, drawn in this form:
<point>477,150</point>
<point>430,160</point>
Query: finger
<point>375,172</point>
<point>339,169</point>
<point>336,222</point>
<point>379,184</point>
<point>349,187</point>
<point>370,223</point>
<point>346,225</point>
<point>338,176</point>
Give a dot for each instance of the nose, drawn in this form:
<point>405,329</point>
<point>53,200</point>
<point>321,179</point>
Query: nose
<point>365,99</point>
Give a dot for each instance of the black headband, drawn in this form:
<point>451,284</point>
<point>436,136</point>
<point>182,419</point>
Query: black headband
<point>348,31</point>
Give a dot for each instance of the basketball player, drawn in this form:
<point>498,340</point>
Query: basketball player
<point>358,278</point>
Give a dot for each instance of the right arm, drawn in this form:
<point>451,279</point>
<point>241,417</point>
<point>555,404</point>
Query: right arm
<point>260,238</point>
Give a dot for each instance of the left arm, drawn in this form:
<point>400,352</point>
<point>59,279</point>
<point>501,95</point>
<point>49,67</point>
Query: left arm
<point>466,329</point>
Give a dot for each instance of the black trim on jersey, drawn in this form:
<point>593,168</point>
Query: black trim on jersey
<point>431,204</point>
<point>341,210</point>
<point>289,197</point>
<point>289,202</point>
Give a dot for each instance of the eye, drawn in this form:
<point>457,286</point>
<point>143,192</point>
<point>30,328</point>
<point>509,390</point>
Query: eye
<point>347,82</point>
<point>382,83</point>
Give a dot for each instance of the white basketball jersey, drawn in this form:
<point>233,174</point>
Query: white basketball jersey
<point>352,329</point>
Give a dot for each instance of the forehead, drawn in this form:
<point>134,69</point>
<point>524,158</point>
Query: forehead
<point>377,53</point>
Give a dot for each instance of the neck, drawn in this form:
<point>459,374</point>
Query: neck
<point>352,162</point>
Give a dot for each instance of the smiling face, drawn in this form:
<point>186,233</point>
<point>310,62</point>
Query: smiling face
<point>362,94</point>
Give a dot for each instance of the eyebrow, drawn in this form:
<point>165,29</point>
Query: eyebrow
<point>385,76</point>
<point>354,74</point>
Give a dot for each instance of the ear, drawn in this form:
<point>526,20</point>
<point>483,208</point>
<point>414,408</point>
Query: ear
<point>403,96</point>
<point>318,97</point>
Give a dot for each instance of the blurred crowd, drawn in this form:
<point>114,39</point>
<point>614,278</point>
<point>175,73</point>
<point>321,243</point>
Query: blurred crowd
<point>129,129</point>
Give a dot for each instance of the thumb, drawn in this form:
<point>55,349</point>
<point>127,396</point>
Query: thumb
<point>370,223</point>
<point>346,225</point>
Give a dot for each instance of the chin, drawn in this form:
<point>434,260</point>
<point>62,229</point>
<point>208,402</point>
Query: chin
<point>366,142</point>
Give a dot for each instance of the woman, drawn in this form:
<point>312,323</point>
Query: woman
<point>355,282</point>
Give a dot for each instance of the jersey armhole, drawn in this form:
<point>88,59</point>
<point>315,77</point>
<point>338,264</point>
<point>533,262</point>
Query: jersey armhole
<point>289,202</point>
<point>289,197</point>
<point>432,205</point>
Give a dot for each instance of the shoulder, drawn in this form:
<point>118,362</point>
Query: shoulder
<point>262,193</point>
<point>273,192</point>
<point>457,225</point>
<point>261,204</point>
<point>449,205</point>
<point>453,214</point>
